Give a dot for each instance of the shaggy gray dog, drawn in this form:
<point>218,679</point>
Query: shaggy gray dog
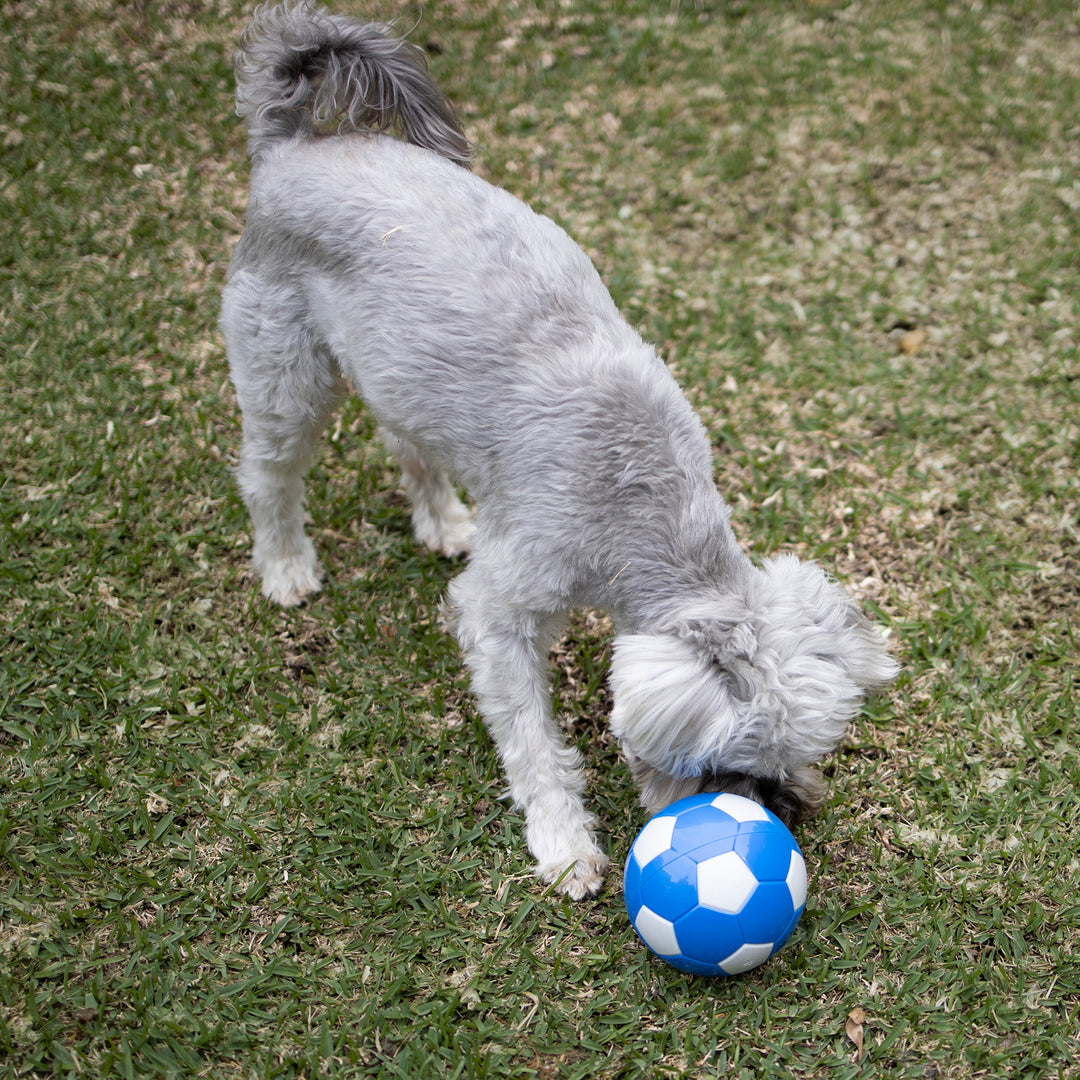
<point>483,341</point>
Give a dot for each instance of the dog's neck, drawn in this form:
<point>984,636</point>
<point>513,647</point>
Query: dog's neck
<point>652,585</point>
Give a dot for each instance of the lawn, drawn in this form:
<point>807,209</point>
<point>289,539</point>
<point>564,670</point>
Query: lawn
<point>237,841</point>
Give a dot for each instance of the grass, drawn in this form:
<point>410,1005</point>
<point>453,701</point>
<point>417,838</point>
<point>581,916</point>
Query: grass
<point>242,842</point>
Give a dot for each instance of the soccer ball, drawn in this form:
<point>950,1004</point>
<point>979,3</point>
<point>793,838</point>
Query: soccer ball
<point>715,884</point>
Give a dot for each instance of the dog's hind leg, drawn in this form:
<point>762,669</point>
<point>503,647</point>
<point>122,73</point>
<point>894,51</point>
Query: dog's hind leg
<point>440,520</point>
<point>287,384</point>
<point>506,652</point>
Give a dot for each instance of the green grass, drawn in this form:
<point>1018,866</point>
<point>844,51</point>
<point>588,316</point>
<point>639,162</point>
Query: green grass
<point>242,842</point>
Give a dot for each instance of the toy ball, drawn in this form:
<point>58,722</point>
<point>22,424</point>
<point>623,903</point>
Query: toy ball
<point>715,884</point>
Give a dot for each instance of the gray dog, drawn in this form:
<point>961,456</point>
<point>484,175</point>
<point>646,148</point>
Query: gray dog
<point>483,341</point>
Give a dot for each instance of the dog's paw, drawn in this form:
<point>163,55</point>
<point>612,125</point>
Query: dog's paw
<point>457,538</point>
<point>450,533</point>
<point>290,581</point>
<point>579,877</point>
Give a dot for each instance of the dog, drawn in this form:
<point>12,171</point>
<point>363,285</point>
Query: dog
<point>493,358</point>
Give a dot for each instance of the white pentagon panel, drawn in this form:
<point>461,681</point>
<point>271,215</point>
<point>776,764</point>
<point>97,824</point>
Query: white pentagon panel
<point>657,932</point>
<point>725,883</point>
<point>796,880</point>
<point>741,809</point>
<point>744,958</point>
<point>654,839</point>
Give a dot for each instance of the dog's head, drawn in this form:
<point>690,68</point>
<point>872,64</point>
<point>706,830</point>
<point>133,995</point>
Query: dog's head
<point>742,691</point>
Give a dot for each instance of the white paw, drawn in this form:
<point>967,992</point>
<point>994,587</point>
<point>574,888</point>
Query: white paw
<point>450,533</point>
<point>290,581</point>
<point>457,537</point>
<point>579,877</point>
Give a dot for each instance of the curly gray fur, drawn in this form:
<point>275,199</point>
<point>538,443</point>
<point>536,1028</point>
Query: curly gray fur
<point>488,349</point>
<point>301,71</point>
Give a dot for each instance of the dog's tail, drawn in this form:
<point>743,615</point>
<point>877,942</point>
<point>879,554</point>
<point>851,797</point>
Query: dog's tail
<point>301,70</point>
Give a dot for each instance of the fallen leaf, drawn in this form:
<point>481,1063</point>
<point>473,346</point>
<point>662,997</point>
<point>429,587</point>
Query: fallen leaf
<point>912,342</point>
<point>854,1029</point>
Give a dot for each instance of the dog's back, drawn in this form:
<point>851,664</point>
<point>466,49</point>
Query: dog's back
<point>301,71</point>
<point>462,317</point>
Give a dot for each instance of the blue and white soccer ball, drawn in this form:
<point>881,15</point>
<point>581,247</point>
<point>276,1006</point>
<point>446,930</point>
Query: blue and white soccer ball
<point>715,884</point>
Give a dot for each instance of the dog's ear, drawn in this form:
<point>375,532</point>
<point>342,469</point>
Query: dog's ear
<point>674,707</point>
<point>803,612</point>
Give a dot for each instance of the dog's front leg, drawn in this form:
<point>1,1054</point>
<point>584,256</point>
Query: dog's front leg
<point>507,657</point>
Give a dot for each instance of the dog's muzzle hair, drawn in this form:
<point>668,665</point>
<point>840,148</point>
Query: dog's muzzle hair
<point>798,796</point>
<point>483,341</point>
